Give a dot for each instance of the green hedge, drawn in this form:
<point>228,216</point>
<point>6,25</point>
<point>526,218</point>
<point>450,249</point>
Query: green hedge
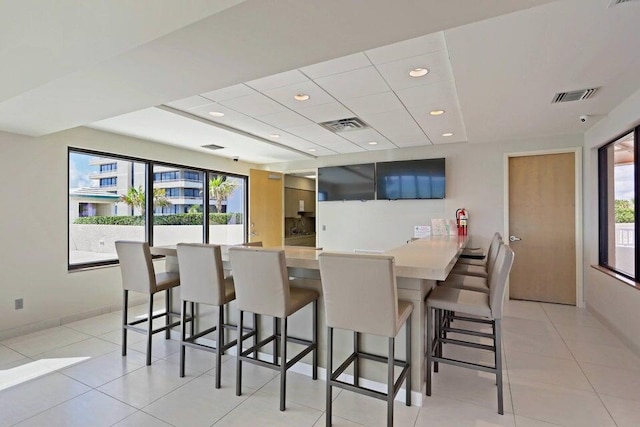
<point>174,219</point>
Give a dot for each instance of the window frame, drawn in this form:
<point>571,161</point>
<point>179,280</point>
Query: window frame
<point>149,180</point>
<point>603,207</point>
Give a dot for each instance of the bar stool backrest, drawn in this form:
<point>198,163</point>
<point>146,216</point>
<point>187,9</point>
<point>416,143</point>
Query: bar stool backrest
<point>136,266</point>
<point>201,273</point>
<point>261,280</point>
<point>360,292</point>
<point>492,253</point>
<point>498,280</point>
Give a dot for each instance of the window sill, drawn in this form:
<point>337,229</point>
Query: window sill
<point>618,277</point>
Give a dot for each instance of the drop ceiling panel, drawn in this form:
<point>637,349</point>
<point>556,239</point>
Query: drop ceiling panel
<point>346,147</point>
<point>404,141</point>
<point>285,95</point>
<point>352,84</point>
<point>314,133</point>
<point>408,48</point>
<point>377,103</point>
<point>397,122</point>
<point>254,105</point>
<point>364,136</point>
<point>235,91</point>
<point>337,66</point>
<point>188,103</point>
<point>284,119</point>
<point>326,112</point>
<point>277,80</point>
<point>397,75</point>
<point>429,95</point>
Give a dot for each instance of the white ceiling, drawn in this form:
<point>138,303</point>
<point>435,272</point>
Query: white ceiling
<point>494,70</point>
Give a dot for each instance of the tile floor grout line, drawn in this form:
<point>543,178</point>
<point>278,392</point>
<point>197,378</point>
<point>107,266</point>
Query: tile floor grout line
<point>582,370</point>
<point>51,407</point>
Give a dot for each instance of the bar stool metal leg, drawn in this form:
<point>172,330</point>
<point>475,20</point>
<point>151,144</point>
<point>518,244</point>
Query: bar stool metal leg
<point>149,329</point>
<point>283,362</point>
<point>497,336</point>
<point>329,373</point>
<point>255,337</point>
<point>390,382</point>
<point>408,359</point>
<point>314,338</point>
<point>356,362</point>
<point>183,333</point>
<point>125,311</point>
<point>429,350</point>
<point>436,335</point>
<point>275,341</point>
<point>220,344</point>
<point>167,317</point>
<point>238,361</point>
<point>192,330</point>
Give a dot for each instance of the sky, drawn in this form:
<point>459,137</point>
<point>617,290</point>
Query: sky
<point>79,170</point>
<point>624,182</point>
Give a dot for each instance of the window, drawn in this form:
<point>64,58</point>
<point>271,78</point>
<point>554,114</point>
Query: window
<point>108,182</point>
<point>191,176</point>
<point>109,167</point>
<point>192,192</point>
<point>618,222</point>
<point>103,210</point>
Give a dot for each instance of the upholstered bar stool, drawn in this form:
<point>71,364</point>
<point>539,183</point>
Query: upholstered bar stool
<point>361,295</point>
<point>202,281</point>
<point>479,270</point>
<point>466,258</point>
<point>263,287</point>
<point>138,275</point>
<point>473,283</point>
<point>487,308</point>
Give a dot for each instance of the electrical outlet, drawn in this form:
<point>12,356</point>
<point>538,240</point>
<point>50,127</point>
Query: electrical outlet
<point>19,304</point>
<point>324,228</point>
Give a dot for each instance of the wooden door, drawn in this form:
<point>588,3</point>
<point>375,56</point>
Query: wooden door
<point>265,207</point>
<point>542,214</point>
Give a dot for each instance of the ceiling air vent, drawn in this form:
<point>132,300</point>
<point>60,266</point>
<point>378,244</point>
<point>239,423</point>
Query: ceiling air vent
<point>576,95</point>
<point>617,2</point>
<point>344,125</point>
<point>212,147</point>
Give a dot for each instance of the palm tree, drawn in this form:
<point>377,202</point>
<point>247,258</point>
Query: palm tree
<point>220,189</point>
<point>135,198</point>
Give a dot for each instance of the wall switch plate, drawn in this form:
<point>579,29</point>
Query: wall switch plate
<point>19,303</point>
<point>324,228</point>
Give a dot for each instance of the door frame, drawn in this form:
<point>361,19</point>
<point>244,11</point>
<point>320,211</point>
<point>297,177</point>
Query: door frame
<point>578,209</point>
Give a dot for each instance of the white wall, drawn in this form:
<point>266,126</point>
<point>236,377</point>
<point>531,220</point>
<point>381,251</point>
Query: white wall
<point>474,180</point>
<point>613,300</point>
<point>33,253</point>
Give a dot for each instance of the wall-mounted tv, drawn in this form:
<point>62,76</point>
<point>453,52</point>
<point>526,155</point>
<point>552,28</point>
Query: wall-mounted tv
<point>411,179</point>
<point>350,182</point>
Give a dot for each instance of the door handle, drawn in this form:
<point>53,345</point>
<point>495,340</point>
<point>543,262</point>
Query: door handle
<point>514,239</point>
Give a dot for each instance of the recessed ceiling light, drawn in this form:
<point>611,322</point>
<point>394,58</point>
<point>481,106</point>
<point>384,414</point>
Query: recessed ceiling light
<point>436,112</point>
<point>419,72</point>
<point>310,176</point>
<point>301,97</point>
<point>447,134</point>
<point>373,143</point>
<point>312,150</point>
<point>274,135</point>
<point>216,113</point>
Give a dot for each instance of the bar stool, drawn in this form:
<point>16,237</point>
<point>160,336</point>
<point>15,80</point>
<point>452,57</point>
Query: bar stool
<point>479,270</point>
<point>487,308</point>
<point>203,282</point>
<point>477,256</point>
<point>473,283</point>
<point>361,295</point>
<point>138,275</point>
<point>263,287</point>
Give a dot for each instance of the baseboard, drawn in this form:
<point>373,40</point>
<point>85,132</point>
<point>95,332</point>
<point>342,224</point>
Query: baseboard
<point>59,321</point>
<point>634,347</point>
<point>306,369</point>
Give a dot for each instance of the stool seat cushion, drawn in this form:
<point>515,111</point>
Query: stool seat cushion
<point>461,300</point>
<point>472,261</point>
<point>404,310</point>
<point>470,270</point>
<point>300,297</point>
<point>166,281</point>
<point>471,283</point>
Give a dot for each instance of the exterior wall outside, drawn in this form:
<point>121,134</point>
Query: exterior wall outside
<point>617,303</point>
<point>33,256</point>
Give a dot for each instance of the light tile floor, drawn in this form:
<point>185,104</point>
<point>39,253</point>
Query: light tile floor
<point>562,367</point>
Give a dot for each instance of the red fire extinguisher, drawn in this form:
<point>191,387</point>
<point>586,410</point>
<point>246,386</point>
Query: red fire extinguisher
<point>462,218</point>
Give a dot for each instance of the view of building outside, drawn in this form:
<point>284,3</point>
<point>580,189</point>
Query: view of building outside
<point>624,204</point>
<point>107,202</point>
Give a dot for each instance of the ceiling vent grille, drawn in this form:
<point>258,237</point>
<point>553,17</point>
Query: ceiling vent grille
<point>617,2</point>
<point>344,125</point>
<point>212,147</point>
<point>576,95</point>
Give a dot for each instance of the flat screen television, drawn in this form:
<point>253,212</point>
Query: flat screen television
<point>350,182</point>
<point>411,179</point>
